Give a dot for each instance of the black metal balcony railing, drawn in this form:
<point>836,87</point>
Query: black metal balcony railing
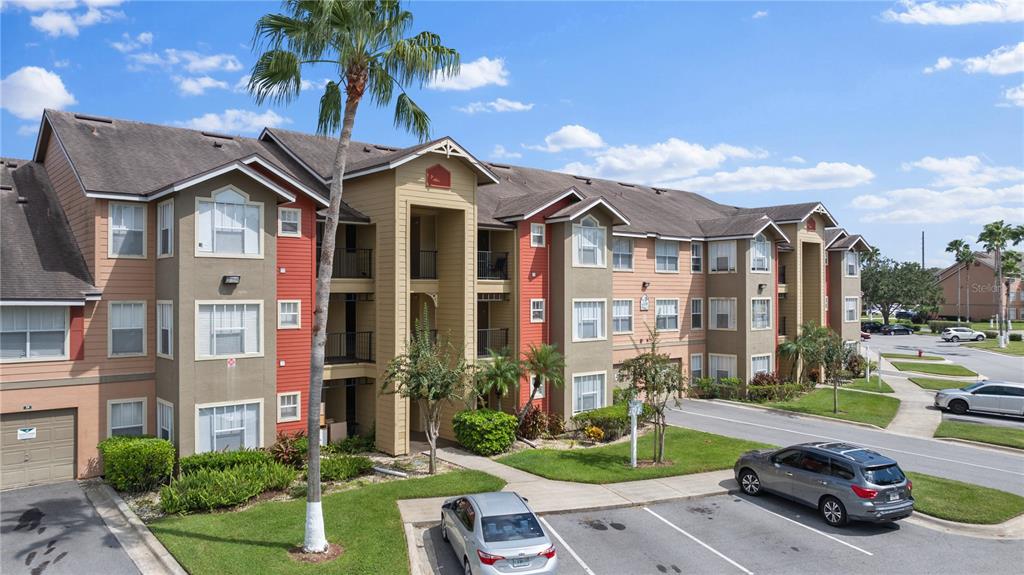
<point>351,263</point>
<point>495,338</point>
<point>782,274</point>
<point>492,265</point>
<point>424,265</point>
<point>349,347</point>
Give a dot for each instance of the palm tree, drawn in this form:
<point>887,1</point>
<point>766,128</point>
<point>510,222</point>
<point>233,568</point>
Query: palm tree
<point>499,374</point>
<point>364,47</point>
<point>807,347</point>
<point>957,247</point>
<point>547,365</point>
<point>967,258</point>
<point>996,236</point>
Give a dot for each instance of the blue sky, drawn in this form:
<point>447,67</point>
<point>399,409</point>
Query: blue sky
<point>901,117</point>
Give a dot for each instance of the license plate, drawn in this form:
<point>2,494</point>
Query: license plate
<point>520,562</point>
<point>894,496</point>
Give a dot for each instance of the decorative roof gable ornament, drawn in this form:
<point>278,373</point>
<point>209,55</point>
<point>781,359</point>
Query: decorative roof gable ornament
<point>439,177</point>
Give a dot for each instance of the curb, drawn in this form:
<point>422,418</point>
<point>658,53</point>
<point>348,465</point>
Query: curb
<point>797,413</point>
<point>999,531</point>
<point>142,547</point>
<point>982,444</point>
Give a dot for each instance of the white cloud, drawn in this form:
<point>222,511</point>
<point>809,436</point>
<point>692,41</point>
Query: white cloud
<point>29,90</point>
<point>968,12</point>
<point>942,63</point>
<point>500,153</point>
<point>976,205</point>
<point>39,5</point>
<point>570,137</point>
<point>965,171</point>
<point>57,20</point>
<point>145,38</point>
<point>823,176</point>
<point>999,62</point>
<point>197,86</point>
<point>498,105</point>
<point>759,14</point>
<point>61,63</point>
<point>481,72</point>
<point>128,44</point>
<point>1015,95</point>
<point>55,23</point>
<point>796,160</point>
<point>236,121</point>
<point>28,130</point>
<point>189,60</point>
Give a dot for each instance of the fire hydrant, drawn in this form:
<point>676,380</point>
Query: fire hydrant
<point>920,353</point>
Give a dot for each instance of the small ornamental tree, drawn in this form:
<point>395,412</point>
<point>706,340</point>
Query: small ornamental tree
<point>834,356</point>
<point>547,365</point>
<point>430,372</point>
<point>653,377</point>
<point>807,348</point>
<point>498,374</point>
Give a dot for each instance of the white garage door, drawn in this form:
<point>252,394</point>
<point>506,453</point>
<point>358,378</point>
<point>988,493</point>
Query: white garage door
<point>37,447</point>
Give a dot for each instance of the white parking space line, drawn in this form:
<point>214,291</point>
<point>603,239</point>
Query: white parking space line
<point>578,559</point>
<point>809,528</point>
<point>699,542</point>
<point>844,440</point>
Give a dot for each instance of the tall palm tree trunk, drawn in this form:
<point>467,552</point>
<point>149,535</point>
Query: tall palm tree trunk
<point>316,538</point>
<point>1000,311</point>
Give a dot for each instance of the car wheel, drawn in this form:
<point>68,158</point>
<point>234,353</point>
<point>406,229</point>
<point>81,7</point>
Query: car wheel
<point>958,406</point>
<point>444,529</point>
<point>750,483</point>
<point>833,512</point>
<point>954,339</point>
<point>979,338</point>
<point>465,564</point>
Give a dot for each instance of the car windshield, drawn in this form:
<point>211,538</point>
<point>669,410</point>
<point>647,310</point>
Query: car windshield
<point>973,386</point>
<point>511,527</point>
<point>886,475</point>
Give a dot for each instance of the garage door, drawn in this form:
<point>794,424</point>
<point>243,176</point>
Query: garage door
<point>37,447</point>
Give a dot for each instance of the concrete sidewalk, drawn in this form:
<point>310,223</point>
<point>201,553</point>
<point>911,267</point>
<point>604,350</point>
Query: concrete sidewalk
<point>917,416</point>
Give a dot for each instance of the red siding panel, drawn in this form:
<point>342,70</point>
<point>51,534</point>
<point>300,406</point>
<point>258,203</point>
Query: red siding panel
<point>76,334</point>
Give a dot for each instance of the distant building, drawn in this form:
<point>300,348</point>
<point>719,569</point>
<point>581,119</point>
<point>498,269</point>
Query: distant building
<point>978,292</point>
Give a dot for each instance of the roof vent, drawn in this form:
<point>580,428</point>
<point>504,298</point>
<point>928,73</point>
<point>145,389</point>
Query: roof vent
<point>625,185</point>
<point>502,166</point>
<point>385,148</point>
<point>583,179</point>
<point>6,187</point>
<point>218,145</point>
<point>22,200</point>
<point>12,165</point>
<point>366,149</point>
<point>217,135</point>
<point>88,118</point>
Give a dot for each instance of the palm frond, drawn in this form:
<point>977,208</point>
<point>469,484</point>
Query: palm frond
<point>331,109</point>
<point>277,76</point>
<point>410,117</point>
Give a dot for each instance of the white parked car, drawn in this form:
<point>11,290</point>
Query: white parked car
<point>961,334</point>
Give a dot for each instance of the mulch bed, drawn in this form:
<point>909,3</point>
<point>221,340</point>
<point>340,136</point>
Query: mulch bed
<point>333,552</point>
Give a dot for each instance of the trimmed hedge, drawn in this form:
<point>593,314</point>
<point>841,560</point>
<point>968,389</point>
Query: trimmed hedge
<point>485,431</point>
<point>342,467</point>
<point>613,420</point>
<point>206,489</point>
<point>220,460</point>
<point>136,463</point>
<point>1016,337</point>
<point>781,392</point>
<point>991,334</point>
<point>711,388</point>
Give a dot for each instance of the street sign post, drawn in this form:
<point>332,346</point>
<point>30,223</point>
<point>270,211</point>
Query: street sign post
<point>635,408</point>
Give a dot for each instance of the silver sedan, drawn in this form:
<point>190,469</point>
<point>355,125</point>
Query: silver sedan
<point>985,396</point>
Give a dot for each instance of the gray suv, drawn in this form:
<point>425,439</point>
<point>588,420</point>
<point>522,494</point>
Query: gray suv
<point>842,481</point>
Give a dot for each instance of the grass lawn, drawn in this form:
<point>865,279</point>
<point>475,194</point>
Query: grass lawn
<point>911,356</point>
<point>1013,348</point>
<point>996,435</point>
<point>876,385</point>
<point>689,451</point>
<point>963,502</point>
<point>938,383</point>
<point>933,368</point>
<point>853,406</point>
<point>364,521</point>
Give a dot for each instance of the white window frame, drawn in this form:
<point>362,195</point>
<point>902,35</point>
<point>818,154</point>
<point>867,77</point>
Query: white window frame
<point>298,314</point>
<point>537,231</point>
<point>760,241</point>
<point>145,412</point>
<point>713,319</point>
<point>846,309</point>
<point>700,359</point>
<point>602,327</point>
<point>753,326</point>
<point>576,235</point>
<point>614,317</point>
<point>697,249</point>
<point>298,222</point>
<point>756,356</point>
<point>160,420</point>
<point>213,200</point>
<point>298,406</point>
<point>703,314</point>
<point>629,242</point>
<point>28,348</point>
<point>534,310</point>
<point>667,329</point>
<point>604,390</point>
<point>159,228</point>
<point>658,268</point>
<point>262,323</point>
<point>110,329</point>
<point>200,406</point>
<point>110,229</point>
<point>160,327</point>
<point>731,253</point>
<point>855,262</point>
<point>727,356</point>
<point>531,377</point>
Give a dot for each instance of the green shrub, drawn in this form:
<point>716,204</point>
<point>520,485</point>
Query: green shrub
<point>612,420</point>
<point>207,488</point>
<point>620,395</point>
<point>991,334</point>
<point>342,467</point>
<point>593,433</point>
<point>217,460</point>
<point>712,388</point>
<point>1015,337</point>
<point>556,424</point>
<point>534,424</point>
<point>290,450</point>
<point>781,392</point>
<point>136,463</point>
<point>353,445</point>
<point>485,431</point>
<point>855,365</point>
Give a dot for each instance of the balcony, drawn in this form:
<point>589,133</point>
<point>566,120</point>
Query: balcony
<point>782,326</point>
<point>349,347</point>
<point>782,274</point>
<point>492,265</point>
<point>351,263</point>
<point>493,338</point>
<point>424,265</point>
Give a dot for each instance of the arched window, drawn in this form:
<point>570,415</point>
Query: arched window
<point>589,239</point>
<point>760,254</point>
<point>228,224</point>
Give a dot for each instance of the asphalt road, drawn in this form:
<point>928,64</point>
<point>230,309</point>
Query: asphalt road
<point>989,467</point>
<point>989,364</point>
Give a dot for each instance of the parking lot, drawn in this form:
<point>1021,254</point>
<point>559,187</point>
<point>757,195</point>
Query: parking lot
<point>736,534</point>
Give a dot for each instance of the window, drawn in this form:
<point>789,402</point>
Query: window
<point>588,238</point>
<point>127,332</point>
<point>510,527</point>
<point>841,470</point>
<point>165,229</point>
<point>228,329</point>
<point>721,366</point>
<point>38,333</point>
<point>666,314</point>
<point>127,231</point>
<point>850,310</point>
<point>289,222</point>
<point>696,366</point>
<point>696,257</point>
<point>696,314</point>
<point>288,314</point>
<point>126,417</point>
<point>723,313</point>
<point>760,254</point>
<point>164,420</point>
<point>537,235</point>
<point>588,391</point>
<point>588,320</point>
<point>852,261</point>
<point>814,463</point>
<point>760,364</point>
<point>165,329</point>
<point>228,427</point>
<point>622,316</point>
<point>760,313</point>
<point>539,384</point>
<point>229,225</point>
<point>288,407</point>
<point>666,256</point>
<point>622,254</point>
<point>722,256</point>
<point>536,311</point>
